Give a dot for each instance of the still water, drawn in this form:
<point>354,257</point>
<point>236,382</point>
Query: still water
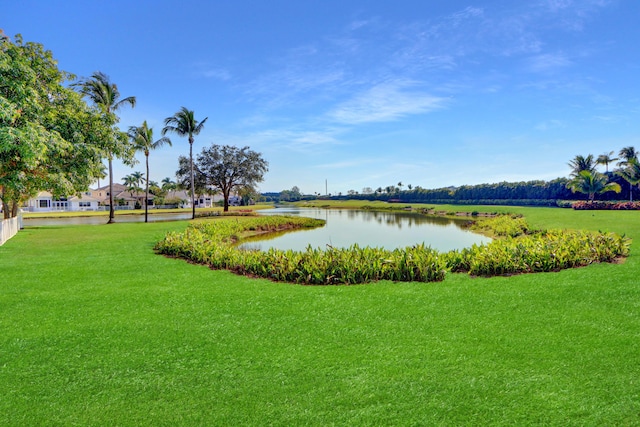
<point>390,230</point>
<point>102,219</point>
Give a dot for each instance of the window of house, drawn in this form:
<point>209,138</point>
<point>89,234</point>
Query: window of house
<point>44,203</point>
<point>85,204</point>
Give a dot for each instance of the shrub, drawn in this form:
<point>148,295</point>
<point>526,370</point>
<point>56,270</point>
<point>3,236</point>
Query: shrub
<point>599,205</point>
<point>212,243</point>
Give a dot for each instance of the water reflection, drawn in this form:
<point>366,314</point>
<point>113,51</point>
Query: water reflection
<point>368,228</point>
<point>102,219</point>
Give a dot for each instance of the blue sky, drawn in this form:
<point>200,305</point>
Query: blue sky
<point>364,93</point>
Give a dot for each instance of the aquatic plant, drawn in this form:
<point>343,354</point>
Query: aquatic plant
<point>518,251</point>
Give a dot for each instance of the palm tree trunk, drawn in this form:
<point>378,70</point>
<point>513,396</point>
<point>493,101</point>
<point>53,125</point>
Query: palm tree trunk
<point>146,194</point>
<point>112,214</point>
<point>193,199</point>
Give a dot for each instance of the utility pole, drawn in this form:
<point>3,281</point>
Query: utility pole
<point>326,188</point>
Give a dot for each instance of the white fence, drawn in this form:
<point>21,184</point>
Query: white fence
<point>9,228</point>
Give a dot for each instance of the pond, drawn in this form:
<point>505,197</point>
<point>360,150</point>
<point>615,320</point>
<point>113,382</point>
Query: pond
<point>346,227</point>
<point>102,219</point>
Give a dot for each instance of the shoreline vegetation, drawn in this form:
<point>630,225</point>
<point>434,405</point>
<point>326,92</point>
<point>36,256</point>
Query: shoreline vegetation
<point>97,329</point>
<point>517,249</point>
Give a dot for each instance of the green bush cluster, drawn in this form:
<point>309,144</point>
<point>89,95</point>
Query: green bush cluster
<point>541,252</point>
<point>212,243</point>
<point>345,265</point>
<point>503,226</point>
<point>600,205</point>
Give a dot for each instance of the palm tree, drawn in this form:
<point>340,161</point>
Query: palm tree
<point>102,173</point>
<point>183,123</point>
<point>142,138</point>
<point>628,155</point>
<point>169,185</point>
<point>631,174</point>
<point>581,163</point>
<point>592,183</point>
<point>130,182</point>
<point>105,95</point>
<point>605,159</point>
<point>138,177</point>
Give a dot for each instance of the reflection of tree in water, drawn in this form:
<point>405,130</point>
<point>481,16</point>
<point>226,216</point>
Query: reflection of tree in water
<point>401,219</point>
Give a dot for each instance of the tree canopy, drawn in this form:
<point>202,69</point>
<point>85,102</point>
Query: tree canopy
<point>227,168</point>
<point>49,137</point>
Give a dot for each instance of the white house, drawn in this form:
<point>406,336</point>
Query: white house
<point>45,202</point>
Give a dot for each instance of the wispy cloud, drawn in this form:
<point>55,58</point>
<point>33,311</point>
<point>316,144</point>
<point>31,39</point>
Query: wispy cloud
<point>209,71</point>
<point>386,102</point>
<point>219,74</point>
<point>345,164</point>
<point>548,62</point>
<point>296,140</point>
<point>573,14</point>
<point>549,124</point>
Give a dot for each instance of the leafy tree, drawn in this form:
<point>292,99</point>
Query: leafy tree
<point>106,97</point>
<point>581,163</point>
<point>183,123</point>
<point>226,168</point>
<point>48,134</point>
<point>592,183</point>
<point>142,138</point>
<point>605,159</point>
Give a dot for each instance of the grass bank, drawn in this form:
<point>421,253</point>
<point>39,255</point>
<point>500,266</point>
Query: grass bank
<point>98,330</point>
<point>71,214</point>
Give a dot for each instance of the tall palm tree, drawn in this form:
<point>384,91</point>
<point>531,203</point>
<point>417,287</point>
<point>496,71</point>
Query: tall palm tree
<point>605,159</point>
<point>105,95</point>
<point>183,123</point>
<point>581,163</point>
<point>142,138</point>
<point>628,156</point>
<point>592,183</point>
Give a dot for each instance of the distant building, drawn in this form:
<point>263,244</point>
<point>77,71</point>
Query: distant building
<point>45,202</point>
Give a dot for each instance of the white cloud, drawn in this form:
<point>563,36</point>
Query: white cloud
<point>295,140</point>
<point>549,124</point>
<point>548,62</point>
<point>219,74</point>
<point>385,102</point>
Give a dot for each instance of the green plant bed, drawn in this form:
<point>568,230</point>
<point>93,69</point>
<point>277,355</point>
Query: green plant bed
<point>520,252</point>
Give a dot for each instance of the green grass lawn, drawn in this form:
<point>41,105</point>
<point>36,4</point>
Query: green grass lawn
<point>95,329</point>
